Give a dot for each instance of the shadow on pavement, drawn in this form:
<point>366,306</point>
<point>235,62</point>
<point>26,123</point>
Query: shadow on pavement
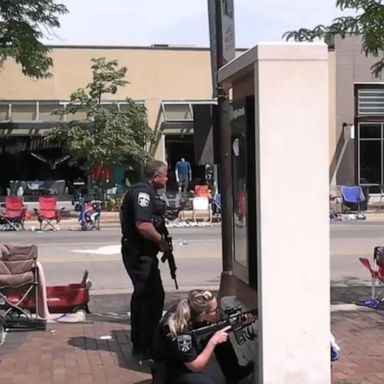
<point>118,344</point>
<point>115,308</point>
<point>350,294</point>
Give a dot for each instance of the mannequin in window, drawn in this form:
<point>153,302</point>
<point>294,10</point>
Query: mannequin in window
<point>183,174</point>
<point>209,176</point>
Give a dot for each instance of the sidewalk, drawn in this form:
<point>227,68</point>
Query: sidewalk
<point>109,219</point>
<point>360,336</point>
<point>71,354</point>
<point>69,220</point>
<point>76,353</point>
<point>97,351</point>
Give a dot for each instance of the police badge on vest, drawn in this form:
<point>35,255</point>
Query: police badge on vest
<point>184,343</point>
<point>143,199</point>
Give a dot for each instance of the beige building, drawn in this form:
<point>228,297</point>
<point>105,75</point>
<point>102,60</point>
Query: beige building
<point>168,80</point>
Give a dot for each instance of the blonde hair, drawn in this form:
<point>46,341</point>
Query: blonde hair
<point>188,310</point>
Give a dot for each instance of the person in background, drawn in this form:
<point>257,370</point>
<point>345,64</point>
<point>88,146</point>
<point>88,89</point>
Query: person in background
<point>183,174</point>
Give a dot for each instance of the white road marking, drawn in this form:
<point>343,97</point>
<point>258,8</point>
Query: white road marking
<point>3,336</point>
<point>348,308</point>
<point>106,250</point>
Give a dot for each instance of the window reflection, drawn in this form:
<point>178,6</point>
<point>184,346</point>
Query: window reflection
<point>239,164</point>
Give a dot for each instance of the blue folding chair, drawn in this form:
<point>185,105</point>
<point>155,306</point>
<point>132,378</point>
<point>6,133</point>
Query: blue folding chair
<point>353,199</point>
<point>216,206</point>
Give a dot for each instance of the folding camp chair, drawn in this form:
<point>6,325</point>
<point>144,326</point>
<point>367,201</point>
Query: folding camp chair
<point>19,282</point>
<point>216,206</point>
<point>48,213</point>
<point>201,205</point>
<point>13,215</point>
<point>352,200</point>
<point>377,274</point>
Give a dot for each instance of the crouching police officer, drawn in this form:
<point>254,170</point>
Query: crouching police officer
<point>176,349</point>
<point>141,242</point>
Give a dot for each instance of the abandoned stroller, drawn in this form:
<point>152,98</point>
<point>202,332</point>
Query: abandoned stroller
<point>89,217</point>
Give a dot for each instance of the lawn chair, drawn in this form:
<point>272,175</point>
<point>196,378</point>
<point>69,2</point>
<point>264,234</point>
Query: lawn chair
<point>48,213</point>
<point>216,207</point>
<point>201,206</point>
<point>353,199</point>
<point>19,280</point>
<point>377,274</point>
<point>13,215</point>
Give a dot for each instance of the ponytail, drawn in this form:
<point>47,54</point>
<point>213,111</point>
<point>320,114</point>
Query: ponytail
<point>188,311</point>
<point>179,321</point>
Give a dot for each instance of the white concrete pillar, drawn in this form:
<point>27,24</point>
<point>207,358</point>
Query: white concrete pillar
<point>293,213</point>
<point>291,119</point>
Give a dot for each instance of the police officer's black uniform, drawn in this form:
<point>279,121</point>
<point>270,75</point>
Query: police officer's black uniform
<point>174,352</point>
<point>142,204</point>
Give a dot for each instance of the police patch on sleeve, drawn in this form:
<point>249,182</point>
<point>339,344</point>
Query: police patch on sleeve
<point>184,343</point>
<point>143,199</point>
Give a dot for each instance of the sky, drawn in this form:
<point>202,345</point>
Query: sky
<point>183,22</point>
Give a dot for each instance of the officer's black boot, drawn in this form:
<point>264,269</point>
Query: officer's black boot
<point>240,373</point>
<point>158,371</point>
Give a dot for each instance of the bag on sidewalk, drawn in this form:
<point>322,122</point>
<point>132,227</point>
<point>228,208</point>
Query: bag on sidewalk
<point>335,349</point>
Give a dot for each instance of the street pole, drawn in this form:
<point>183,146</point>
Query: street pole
<point>225,172</point>
<point>225,168</point>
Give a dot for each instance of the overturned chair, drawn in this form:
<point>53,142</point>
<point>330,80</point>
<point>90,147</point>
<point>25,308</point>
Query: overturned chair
<point>19,283</point>
<point>376,271</point>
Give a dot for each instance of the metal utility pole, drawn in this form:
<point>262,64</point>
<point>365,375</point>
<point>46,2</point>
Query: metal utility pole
<point>222,51</point>
<point>225,172</point>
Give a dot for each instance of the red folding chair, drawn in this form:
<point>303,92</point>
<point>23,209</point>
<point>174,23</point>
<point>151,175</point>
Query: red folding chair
<point>48,213</point>
<point>13,214</point>
<point>377,274</point>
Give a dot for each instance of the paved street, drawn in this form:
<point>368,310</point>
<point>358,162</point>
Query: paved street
<point>349,241</point>
<point>66,254</point>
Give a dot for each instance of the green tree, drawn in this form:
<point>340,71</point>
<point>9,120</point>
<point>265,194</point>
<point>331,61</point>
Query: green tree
<point>108,135</point>
<point>368,23</point>
<point>22,24</point>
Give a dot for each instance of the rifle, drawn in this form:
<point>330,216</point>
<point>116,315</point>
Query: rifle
<point>237,319</point>
<point>171,259</point>
<point>170,214</point>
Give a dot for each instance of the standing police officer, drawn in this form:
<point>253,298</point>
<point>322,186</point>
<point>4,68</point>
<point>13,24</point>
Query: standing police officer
<point>142,207</point>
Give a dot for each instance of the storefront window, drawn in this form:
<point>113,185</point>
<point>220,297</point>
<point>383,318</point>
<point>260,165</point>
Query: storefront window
<point>244,188</point>
<point>240,183</point>
<point>240,199</point>
<point>23,112</point>
<point>46,111</point>
<point>179,112</point>
<point>4,112</point>
<point>371,142</point>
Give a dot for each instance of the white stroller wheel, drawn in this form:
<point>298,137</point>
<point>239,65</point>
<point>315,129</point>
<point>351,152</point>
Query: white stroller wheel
<point>2,334</point>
